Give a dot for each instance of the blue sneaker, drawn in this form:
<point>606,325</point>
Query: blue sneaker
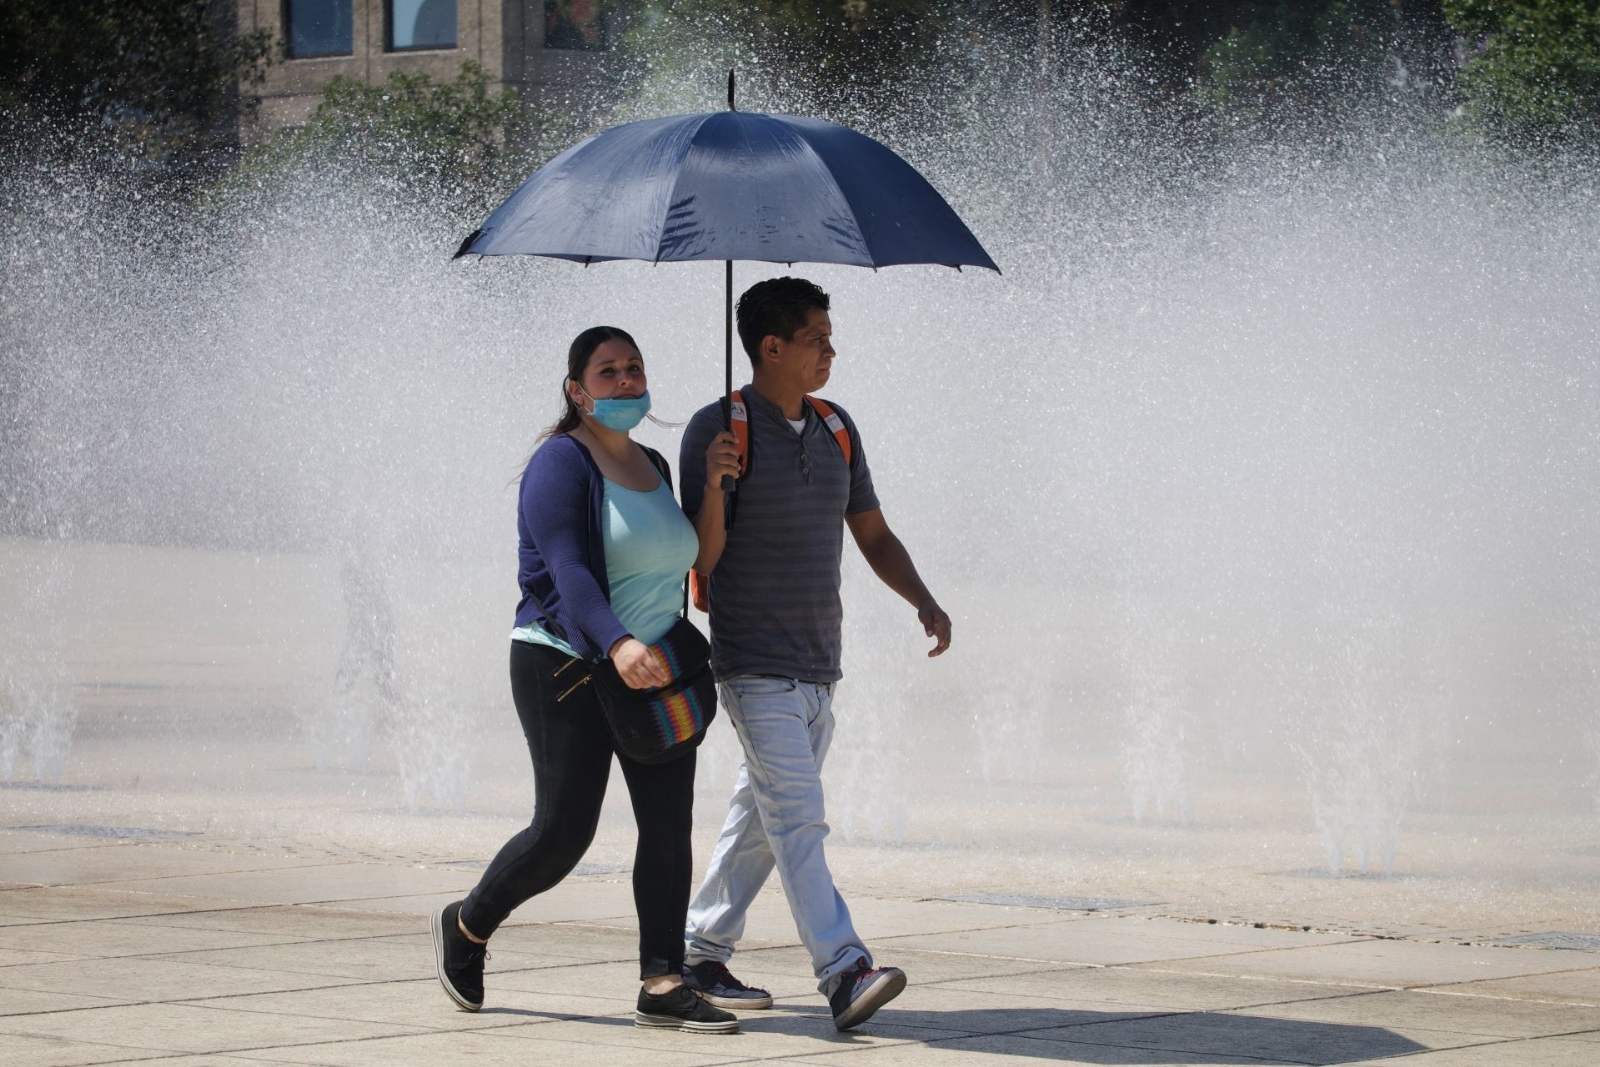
<point>717,987</point>
<point>863,991</point>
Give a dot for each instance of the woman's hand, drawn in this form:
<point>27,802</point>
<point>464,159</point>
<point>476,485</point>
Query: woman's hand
<point>722,459</point>
<point>637,665</point>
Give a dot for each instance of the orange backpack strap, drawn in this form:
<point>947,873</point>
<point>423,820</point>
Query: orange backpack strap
<point>831,419</point>
<point>700,590</point>
<point>741,430</point>
<point>700,584</point>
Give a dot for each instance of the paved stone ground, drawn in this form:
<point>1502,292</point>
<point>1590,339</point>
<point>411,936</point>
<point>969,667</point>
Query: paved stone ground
<point>162,952</point>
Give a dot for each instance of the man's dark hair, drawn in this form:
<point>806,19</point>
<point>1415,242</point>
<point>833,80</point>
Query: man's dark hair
<point>777,307</point>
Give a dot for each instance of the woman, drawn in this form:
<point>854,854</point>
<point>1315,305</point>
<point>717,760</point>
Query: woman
<point>603,553</point>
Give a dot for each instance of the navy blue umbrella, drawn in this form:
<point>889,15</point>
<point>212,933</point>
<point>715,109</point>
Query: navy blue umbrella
<point>729,185</point>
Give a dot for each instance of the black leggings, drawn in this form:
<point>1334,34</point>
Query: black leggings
<point>571,760</point>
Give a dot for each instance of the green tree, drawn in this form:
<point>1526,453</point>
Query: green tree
<point>162,74</point>
<point>849,51</point>
<point>455,139</point>
<point>1242,57</point>
<point>1536,65</point>
<point>1293,58</point>
<point>1299,48</point>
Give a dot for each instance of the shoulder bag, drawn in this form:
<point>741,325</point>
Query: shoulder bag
<point>659,725</point>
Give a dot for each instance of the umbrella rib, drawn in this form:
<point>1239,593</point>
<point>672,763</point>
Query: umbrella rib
<point>823,164</point>
<point>672,199</point>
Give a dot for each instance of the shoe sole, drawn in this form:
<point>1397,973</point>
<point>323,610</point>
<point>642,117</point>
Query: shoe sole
<point>734,1003</point>
<point>436,926</point>
<point>875,996</point>
<point>672,1022</point>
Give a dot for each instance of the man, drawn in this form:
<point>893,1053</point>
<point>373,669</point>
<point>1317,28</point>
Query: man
<point>775,632</point>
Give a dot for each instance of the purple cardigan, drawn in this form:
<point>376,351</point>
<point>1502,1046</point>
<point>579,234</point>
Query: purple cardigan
<point>560,551</point>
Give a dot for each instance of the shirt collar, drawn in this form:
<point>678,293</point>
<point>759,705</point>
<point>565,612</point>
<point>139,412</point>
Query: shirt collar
<point>756,401</point>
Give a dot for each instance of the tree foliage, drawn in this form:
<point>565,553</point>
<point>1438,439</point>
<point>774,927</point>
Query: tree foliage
<point>166,75</point>
<point>161,73</point>
<point>1251,53</point>
<point>1535,66</point>
<point>849,49</point>
<point>1236,54</point>
<point>457,139</point>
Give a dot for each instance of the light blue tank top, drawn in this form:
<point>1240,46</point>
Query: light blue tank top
<point>650,545</point>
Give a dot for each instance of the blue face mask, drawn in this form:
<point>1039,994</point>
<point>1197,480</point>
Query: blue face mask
<point>619,415</point>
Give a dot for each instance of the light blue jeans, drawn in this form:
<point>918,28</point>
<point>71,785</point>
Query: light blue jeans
<point>776,818</point>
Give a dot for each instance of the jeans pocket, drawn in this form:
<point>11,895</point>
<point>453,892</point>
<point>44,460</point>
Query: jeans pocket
<point>760,685</point>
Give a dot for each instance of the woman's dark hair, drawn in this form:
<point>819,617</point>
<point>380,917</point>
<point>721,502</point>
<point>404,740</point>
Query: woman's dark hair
<point>777,307</point>
<point>578,355</point>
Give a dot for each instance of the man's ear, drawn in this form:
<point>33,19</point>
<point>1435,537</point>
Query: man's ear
<point>769,348</point>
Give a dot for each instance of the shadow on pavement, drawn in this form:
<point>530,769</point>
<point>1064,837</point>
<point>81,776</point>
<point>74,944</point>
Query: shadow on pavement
<point>1119,1037</point>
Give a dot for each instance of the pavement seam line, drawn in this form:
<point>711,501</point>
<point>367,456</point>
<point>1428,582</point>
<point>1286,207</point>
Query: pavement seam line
<point>225,910</point>
<point>1255,977</point>
<point>1438,992</point>
<point>1356,991</point>
<point>163,1052</point>
<point>1506,978</point>
<point>497,1025</point>
<point>207,874</point>
<point>1356,940</point>
<point>357,983</point>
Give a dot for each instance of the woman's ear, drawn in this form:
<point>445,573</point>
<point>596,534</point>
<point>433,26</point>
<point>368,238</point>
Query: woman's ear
<point>575,394</point>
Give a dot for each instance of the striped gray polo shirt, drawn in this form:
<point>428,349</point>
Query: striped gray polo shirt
<point>775,605</point>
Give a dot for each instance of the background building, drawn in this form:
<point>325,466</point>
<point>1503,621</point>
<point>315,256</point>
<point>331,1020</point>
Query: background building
<point>535,46</point>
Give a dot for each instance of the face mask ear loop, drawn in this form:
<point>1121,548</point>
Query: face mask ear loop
<point>589,411</point>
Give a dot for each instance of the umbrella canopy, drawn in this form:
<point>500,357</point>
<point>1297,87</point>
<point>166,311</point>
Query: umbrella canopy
<point>730,185</point>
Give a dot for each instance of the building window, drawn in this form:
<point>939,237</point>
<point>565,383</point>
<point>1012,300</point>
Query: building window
<point>417,24</point>
<point>575,24</point>
<point>317,28</point>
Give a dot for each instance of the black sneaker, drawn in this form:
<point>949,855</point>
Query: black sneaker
<point>710,979</point>
<point>863,991</point>
<point>681,1009</point>
<point>460,958</point>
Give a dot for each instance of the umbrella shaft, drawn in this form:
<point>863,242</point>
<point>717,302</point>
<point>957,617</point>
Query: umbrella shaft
<point>727,353</point>
<point>727,364</point>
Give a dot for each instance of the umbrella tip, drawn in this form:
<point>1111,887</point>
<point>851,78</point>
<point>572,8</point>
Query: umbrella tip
<point>730,90</point>
<point>471,237</point>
